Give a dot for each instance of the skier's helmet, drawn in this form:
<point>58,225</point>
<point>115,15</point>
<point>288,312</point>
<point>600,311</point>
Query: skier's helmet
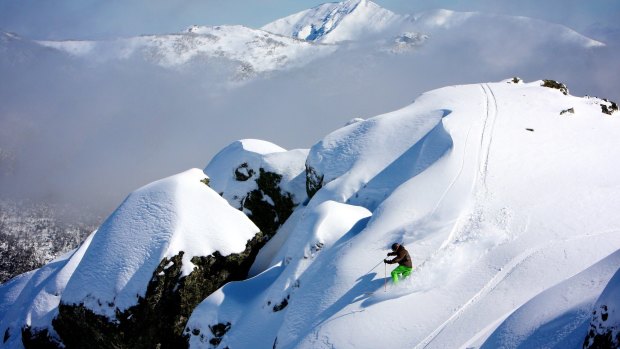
<point>395,246</point>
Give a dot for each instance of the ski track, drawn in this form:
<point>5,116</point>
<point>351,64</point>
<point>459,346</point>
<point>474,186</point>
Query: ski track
<point>504,272</point>
<point>487,133</point>
<point>486,137</point>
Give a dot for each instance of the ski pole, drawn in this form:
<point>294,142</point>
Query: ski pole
<point>385,279</point>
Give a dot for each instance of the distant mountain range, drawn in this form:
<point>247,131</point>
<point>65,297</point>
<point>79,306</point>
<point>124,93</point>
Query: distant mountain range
<point>303,37</point>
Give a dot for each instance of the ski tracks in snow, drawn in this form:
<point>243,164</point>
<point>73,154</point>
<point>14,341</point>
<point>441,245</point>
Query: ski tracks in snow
<point>488,129</point>
<point>479,184</point>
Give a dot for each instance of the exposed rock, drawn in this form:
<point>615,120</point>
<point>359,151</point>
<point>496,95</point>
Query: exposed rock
<point>40,339</point>
<point>515,80</point>
<point>569,110</point>
<point>314,181</point>
<point>609,107</point>
<point>557,85</point>
<point>269,206</point>
<point>601,334</point>
<point>243,172</point>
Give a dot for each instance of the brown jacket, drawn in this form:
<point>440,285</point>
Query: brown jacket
<point>402,257</point>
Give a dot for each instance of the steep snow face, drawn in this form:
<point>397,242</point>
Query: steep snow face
<point>498,193</point>
<point>257,50</point>
<point>336,22</point>
<point>356,158</point>
<point>179,213</point>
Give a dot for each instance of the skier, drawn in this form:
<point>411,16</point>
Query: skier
<point>405,266</point>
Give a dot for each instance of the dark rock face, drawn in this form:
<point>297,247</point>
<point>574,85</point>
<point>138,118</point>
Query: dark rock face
<point>268,216</point>
<point>609,107</point>
<point>314,181</point>
<point>158,319</point>
<point>557,85</point>
<point>601,333</point>
<point>38,339</point>
<point>243,172</point>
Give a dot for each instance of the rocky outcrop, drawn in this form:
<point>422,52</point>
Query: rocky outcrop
<point>604,331</point>
<point>556,85</point>
<point>269,207</point>
<point>602,334</point>
<point>314,181</point>
<point>158,319</point>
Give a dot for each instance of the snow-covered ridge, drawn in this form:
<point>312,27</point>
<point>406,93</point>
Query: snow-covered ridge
<point>446,20</point>
<point>256,50</point>
<point>335,22</point>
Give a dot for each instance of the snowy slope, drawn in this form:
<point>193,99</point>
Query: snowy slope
<point>498,196</point>
<point>559,316</point>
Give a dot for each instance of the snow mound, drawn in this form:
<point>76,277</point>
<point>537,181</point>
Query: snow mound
<point>234,170</point>
<point>173,215</point>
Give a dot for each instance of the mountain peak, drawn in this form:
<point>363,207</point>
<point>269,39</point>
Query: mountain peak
<point>334,22</point>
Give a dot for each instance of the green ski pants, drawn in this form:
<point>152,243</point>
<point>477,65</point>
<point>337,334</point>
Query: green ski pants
<point>405,271</point>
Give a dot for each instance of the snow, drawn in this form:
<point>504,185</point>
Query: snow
<point>560,316</point>
<point>494,216</point>
<point>178,213</point>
